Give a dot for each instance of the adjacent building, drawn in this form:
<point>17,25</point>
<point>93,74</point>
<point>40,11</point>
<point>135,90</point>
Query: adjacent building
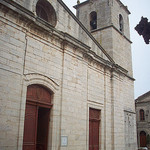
<point>142,105</point>
<point>66,82</point>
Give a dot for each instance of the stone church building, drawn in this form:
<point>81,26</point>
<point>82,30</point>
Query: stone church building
<point>66,81</point>
<point>142,106</point>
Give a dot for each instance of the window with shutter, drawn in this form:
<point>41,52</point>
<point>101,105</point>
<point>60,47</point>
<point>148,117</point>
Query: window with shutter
<point>142,116</point>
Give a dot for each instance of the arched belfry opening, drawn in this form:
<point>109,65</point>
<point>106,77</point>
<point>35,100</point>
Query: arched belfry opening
<point>93,20</point>
<point>37,116</point>
<point>45,11</point>
<point>121,24</point>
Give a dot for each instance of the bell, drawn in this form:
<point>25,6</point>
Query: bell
<point>78,2</point>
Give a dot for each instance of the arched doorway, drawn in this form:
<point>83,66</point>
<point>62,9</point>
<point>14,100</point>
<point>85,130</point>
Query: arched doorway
<point>142,139</point>
<point>37,116</point>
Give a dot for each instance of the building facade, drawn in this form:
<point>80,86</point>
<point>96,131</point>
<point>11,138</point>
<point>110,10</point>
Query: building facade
<point>142,105</point>
<point>65,81</point>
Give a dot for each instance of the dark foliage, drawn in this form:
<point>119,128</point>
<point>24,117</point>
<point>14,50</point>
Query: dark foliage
<point>143,28</point>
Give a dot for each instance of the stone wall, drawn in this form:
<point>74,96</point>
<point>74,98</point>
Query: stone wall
<point>108,34</point>
<point>35,53</point>
<point>142,103</point>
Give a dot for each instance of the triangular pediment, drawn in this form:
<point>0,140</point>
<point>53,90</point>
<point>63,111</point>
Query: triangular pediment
<point>143,98</point>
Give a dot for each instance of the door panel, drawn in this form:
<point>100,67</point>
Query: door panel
<point>90,135</point>
<point>94,123</point>
<point>95,135</point>
<point>142,139</point>
<point>38,93</point>
<point>36,118</point>
<point>29,140</point>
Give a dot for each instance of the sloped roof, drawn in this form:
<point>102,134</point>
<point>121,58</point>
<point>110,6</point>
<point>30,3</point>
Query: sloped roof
<point>124,7</point>
<point>104,58</point>
<point>30,15</point>
<point>85,30</point>
<point>143,98</point>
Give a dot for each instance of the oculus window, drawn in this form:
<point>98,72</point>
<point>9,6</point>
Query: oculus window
<point>45,11</point>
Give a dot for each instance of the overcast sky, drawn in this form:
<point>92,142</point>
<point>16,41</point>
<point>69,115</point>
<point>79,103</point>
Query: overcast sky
<point>140,50</point>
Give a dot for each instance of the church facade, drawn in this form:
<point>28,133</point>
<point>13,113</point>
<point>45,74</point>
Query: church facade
<point>66,81</point>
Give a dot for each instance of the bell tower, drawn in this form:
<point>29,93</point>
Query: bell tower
<point>108,22</point>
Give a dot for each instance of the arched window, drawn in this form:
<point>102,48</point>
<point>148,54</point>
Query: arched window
<point>93,20</point>
<point>142,139</point>
<point>45,11</point>
<point>142,116</point>
<point>121,25</point>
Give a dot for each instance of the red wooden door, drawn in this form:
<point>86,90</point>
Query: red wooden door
<point>90,135</point>
<point>29,140</point>
<point>142,139</point>
<point>94,125</point>
<point>36,118</point>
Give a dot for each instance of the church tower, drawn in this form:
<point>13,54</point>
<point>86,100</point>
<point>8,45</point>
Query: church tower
<point>108,22</point>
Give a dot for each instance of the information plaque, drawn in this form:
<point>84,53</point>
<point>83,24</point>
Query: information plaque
<point>64,140</point>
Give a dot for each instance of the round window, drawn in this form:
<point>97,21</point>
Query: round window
<point>45,11</point>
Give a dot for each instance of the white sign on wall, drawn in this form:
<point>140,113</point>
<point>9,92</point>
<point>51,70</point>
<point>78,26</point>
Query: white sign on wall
<point>64,140</point>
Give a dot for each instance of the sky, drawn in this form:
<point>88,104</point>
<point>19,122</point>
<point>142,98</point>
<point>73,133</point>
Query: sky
<point>140,50</point>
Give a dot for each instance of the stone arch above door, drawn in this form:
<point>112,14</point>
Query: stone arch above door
<point>37,116</point>
<point>34,78</point>
<point>31,79</point>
